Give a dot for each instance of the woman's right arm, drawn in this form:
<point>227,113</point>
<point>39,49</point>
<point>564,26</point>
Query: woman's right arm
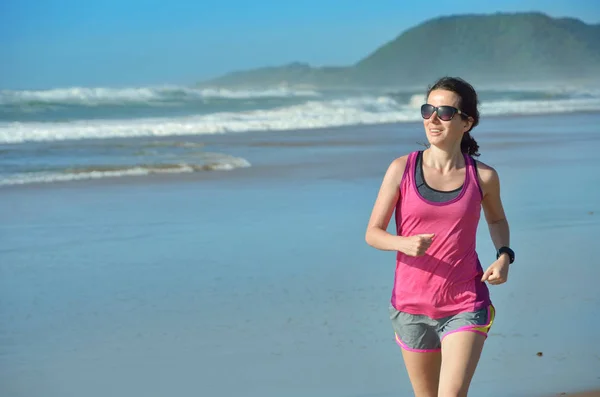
<point>385,204</point>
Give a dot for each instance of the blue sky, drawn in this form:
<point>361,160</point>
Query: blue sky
<point>51,43</point>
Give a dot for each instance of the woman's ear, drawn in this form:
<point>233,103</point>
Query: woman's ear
<point>468,123</point>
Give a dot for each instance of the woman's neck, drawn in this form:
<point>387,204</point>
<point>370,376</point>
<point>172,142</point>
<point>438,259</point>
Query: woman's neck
<point>443,160</point>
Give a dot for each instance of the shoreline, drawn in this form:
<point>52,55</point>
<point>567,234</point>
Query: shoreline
<point>248,145</point>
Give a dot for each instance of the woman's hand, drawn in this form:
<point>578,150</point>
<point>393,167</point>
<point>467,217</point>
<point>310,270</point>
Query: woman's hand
<point>416,245</point>
<point>497,273</point>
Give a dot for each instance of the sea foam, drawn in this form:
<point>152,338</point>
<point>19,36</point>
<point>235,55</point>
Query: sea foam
<point>311,114</point>
<point>83,96</point>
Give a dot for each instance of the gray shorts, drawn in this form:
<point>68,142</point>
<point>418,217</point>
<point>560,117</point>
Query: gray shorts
<point>423,334</point>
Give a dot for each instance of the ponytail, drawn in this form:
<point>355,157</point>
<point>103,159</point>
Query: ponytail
<point>469,145</point>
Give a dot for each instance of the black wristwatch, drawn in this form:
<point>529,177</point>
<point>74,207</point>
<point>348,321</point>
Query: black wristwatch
<point>511,253</point>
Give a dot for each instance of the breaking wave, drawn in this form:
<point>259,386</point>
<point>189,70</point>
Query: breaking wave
<point>310,114</point>
<point>125,96</point>
<point>98,172</point>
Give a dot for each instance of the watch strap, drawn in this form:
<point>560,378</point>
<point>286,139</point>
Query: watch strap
<point>506,250</point>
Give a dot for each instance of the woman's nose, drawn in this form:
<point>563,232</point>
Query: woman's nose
<point>434,117</point>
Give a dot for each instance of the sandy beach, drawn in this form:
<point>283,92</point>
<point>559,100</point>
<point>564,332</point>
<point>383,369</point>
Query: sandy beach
<point>257,281</point>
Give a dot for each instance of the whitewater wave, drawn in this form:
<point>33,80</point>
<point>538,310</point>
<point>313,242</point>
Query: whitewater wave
<point>309,115</point>
<point>122,96</point>
<point>224,163</point>
<point>511,107</point>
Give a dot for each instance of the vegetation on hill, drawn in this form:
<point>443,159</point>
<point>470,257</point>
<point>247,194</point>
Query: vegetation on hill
<point>502,47</point>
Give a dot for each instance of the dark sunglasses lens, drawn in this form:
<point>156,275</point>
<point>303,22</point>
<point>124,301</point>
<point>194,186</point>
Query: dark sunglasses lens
<point>426,111</point>
<point>445,113</point>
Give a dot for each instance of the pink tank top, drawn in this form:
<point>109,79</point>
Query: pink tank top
<point>447,279</point>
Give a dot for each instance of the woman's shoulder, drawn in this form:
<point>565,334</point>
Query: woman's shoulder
<point>401,161</point>
<point>398,165</point>
<point>397,168</point>
<point>488,175</point>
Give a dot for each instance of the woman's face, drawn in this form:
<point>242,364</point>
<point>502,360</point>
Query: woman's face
<point>445,134</point>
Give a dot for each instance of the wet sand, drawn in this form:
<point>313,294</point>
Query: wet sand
<point>257,281</point>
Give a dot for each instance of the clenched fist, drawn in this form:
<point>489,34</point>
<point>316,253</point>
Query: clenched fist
<point>416,245</point>
<point>497,273</point>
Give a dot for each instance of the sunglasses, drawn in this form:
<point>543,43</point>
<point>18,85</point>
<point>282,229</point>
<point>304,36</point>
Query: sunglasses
<point>444,113</point>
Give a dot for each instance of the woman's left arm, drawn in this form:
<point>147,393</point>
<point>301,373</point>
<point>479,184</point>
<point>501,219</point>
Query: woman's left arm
<point>493,210</point>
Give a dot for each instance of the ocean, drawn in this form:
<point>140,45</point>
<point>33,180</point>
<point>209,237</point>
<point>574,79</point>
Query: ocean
<point>190,242</point>
<point>89,133</point>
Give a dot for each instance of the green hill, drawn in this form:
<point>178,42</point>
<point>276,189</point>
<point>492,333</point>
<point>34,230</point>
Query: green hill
<point>483,48</point>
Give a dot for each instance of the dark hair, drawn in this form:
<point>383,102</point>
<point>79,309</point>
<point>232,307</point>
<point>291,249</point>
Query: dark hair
<point>467,104</point>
